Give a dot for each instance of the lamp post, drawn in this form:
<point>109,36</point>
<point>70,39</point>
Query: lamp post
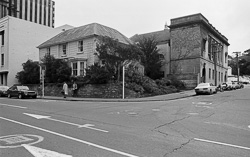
<point>238,69</point>
<point>125,64</point>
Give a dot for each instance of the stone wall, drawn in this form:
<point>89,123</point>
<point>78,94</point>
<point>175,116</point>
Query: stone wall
<point>113,90</point>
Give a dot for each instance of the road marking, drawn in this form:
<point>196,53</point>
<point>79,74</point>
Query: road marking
<point>72,138</point>
<point>249,126</point>
<point>39,152</point>
<point>27,100</point>
<point>228,125</point>
<point>88,126</point>
<point>13,106</point>
<point>203,106</point>
<point>220,143</point>
<point>193,113</point>
<point>15,141</point>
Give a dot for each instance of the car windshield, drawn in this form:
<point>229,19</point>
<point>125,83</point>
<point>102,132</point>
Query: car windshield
<point>4,87</point>
<point>22,88</point>
<point>203,85</point>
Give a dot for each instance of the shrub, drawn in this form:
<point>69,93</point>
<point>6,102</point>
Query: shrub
<point>175,82</point>
<point>135,87</point>
<point>96,74</point>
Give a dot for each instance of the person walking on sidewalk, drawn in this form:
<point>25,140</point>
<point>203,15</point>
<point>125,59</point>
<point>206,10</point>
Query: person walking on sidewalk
<point>74,89</point>
<point>65,89</point>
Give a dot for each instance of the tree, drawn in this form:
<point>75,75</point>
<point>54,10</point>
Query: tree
<point>244,67</point>
<point>115,53</point>
<point>30,73</point>
<point>152,61</point>
<point>57,70</point>
<point>97,74</point>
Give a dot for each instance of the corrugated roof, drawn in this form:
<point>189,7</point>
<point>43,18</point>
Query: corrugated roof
<point>159,36</point>
<point>84,32</point>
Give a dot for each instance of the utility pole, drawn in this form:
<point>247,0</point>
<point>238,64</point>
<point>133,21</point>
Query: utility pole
<point>215,51</point>
<point>238,69</point>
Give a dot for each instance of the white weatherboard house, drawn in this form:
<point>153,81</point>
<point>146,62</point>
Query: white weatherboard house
<point>18,41</point>
<point>78,45</point>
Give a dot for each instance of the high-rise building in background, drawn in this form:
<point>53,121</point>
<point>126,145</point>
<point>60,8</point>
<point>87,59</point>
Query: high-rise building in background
<point>37,11</point>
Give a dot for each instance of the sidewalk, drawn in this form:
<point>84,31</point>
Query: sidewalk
<point>173,96</point>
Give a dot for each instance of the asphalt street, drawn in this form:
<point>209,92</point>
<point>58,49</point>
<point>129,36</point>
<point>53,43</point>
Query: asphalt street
<point>205,125</point>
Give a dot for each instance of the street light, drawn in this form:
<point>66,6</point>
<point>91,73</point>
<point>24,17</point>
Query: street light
<point>125,64</point>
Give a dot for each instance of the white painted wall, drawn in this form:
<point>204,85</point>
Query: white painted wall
<point>22,38</point>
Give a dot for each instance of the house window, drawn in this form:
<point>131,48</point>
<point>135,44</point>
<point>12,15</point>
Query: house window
<point>203,47</point>
<point>2,59</point>
<point>74,68</point>
<point>219,76</point>
<point>48,51</point>
<point>82,68</point>
<point>2,35</point>
<point>213,74</point>
<point>64,49</point>
<point>80,46</point>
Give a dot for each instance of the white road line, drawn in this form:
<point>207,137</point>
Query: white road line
<point>72,138</point>
<point>12,106</point>
<point>28,100</point>
<point>220,143</point>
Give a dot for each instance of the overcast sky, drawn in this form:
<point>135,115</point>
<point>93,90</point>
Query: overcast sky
<point>130,17</point>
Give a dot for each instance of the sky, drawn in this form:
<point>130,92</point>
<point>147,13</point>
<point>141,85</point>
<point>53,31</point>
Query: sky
<point>230,17</point>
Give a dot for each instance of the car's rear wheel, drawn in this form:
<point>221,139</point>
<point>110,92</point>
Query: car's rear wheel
<point>34,97</point>
<point>20,96</point>
<point>9,96</point>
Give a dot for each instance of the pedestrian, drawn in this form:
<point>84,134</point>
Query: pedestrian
<point>65,89</point>
<point>74,89</point>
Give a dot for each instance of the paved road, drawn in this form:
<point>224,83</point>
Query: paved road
<point>204,126</point>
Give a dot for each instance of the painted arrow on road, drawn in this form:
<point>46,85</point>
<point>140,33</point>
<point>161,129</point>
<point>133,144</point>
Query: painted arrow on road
<point>39,152</point>
<point>88,126</point>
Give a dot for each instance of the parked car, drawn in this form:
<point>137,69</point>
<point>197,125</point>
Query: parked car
<point>21,91</point>
<point>234,86</point>
<point>228,85</point>
<point>224,86</point>
<point>205,88</point>
<point>241,85</point>
<point>3,90</point>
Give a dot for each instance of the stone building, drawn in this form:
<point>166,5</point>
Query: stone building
<point>194,50</point>
<point>199,51</point>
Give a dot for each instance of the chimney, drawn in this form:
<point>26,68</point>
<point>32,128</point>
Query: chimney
<point>166,25</point>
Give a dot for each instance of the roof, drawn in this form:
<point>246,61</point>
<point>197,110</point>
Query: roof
<point>85,32</point>
<point>160,36</point>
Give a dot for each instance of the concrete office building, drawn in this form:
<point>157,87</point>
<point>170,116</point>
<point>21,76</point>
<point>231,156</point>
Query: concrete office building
<point>18,44</point>
<point>37,11</point>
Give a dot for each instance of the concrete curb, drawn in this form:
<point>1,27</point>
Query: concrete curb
<point>148,99</point>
